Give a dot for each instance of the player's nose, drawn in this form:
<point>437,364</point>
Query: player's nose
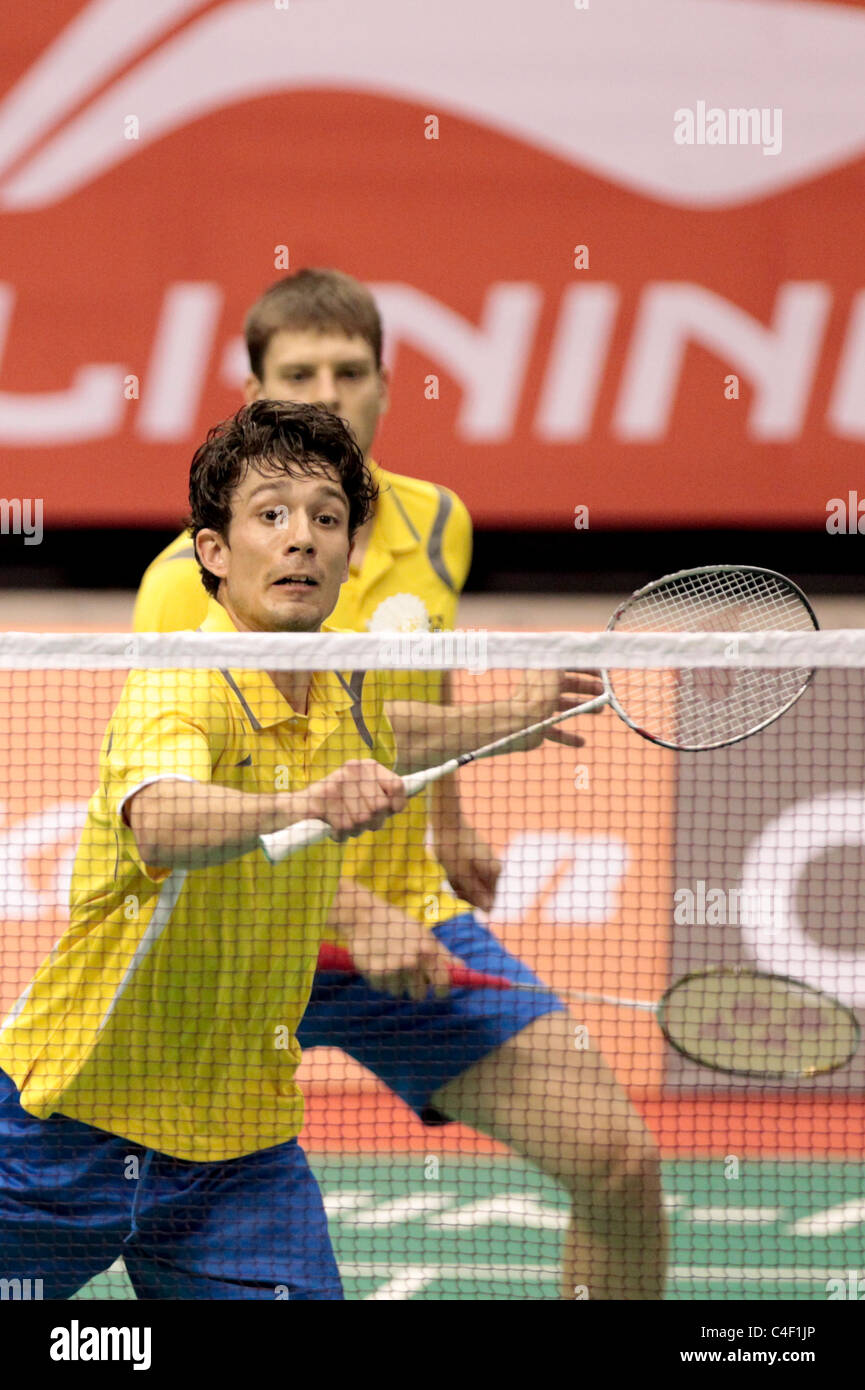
<point>328,392</point>
<point>297,533</point>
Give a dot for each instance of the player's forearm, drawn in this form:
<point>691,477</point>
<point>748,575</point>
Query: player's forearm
<point>355,909</point>
<point>188,825</point>
<point>427,735</point>
<point>445,809</point>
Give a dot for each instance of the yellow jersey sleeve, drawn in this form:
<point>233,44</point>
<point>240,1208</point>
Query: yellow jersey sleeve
<point>154,734</point>
<point>171,597</point>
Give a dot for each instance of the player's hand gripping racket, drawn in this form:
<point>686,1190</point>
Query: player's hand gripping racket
<point>740,1021</point>
<point>689,709</point>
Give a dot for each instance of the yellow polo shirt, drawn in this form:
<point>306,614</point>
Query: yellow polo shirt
<point>167,1011</point>
<point>414,569</point>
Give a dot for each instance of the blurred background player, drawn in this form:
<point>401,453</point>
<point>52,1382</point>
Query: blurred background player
<point>505,1065</point>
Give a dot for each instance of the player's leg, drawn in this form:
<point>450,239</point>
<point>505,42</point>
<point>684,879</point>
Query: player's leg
<point>563,1110</point>
<point>568,1116</point>
<point>249,1228</point>
<point>65,1200</point>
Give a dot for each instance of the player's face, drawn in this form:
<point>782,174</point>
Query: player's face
<point>328,369</point>
<point>286,553</point>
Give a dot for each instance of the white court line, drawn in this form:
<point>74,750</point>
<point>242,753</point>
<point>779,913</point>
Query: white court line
<point>335,1203</point>
<point>362,1269</point>
<point>769,1273</point>
<point>825,1223</point>
<point>414,1278</point>
<point>511,1207</point>
<point>405,1285</point>
<point>739,1215</point>
<point>514,1208</point>
<point>406,1209</point>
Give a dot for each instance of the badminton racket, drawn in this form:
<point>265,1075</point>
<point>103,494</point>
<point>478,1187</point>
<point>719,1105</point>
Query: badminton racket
<point>690,709</point>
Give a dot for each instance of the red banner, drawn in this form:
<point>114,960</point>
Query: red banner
<point>617,247</point>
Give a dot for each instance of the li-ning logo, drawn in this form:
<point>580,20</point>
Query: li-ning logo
<point>77,1343</point>
<point>54,140</point>
<point>21,1290</point>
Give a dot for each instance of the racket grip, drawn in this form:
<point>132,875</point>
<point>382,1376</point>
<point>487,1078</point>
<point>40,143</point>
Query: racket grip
<point>332,957</point>
<point>415,782</point>
<point>302,835</point>
<point>281,843</point>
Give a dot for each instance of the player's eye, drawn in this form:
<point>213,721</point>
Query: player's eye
<point>275,514</point>
<point>328,518</point>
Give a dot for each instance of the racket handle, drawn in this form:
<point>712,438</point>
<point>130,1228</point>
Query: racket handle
<point>280,844</point>
<point>462,977</point>
<point>302,835</point>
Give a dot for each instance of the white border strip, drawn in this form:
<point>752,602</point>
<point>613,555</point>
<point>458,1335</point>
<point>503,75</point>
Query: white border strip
<point>465,649</point>
<point>160,918</point>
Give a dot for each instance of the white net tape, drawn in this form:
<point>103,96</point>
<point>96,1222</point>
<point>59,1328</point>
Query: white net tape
<point>465,649</point>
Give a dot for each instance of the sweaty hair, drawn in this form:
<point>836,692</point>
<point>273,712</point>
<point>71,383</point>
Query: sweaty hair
<point>325,301</point>
<point>274,437</point>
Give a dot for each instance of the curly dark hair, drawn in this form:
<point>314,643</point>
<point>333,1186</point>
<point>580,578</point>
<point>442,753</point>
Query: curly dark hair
<point>277,436</point>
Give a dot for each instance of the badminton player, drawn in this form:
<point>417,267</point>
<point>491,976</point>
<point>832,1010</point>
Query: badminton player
<point>148,1105</point>
<point>506,1065</point>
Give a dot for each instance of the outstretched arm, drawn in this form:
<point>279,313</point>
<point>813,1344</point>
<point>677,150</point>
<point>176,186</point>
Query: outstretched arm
<point>188,825</point>
<point>427,734</point>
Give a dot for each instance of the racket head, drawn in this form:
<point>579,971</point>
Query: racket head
<point>750,1023</point>
<point>697,709</point>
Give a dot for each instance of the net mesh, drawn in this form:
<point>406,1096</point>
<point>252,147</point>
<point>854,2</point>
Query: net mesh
<point>154,1002</point>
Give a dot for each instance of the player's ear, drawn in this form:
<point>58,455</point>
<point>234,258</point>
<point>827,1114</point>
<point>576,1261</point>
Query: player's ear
<point>252,389</point>
<point>212,551</point>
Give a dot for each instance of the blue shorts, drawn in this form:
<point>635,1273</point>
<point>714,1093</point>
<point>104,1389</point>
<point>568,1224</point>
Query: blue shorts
<point>417,1047</point>
<point>74,1198</point>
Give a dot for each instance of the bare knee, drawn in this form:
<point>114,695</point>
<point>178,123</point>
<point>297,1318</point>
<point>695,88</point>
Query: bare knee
<point>633,1176</point>
<point>627,1177</point>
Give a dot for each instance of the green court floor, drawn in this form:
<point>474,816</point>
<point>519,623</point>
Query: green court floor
<point>452,1228</point>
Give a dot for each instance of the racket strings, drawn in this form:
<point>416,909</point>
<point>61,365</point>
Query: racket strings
<point>760,1025</point>
<point>706,707</point>
<point>717,600</point>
